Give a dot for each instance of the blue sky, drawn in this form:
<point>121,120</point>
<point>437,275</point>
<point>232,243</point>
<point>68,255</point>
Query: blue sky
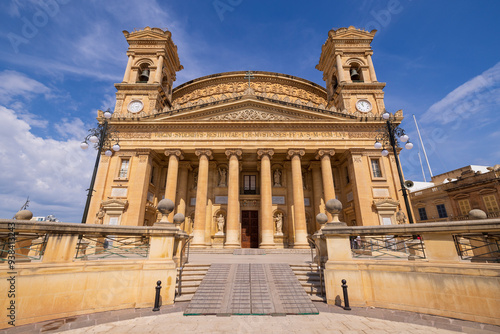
<point>59,60</point>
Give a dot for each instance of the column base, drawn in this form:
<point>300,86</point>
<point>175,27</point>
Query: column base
<point>300,246</point>
<point>199,246</point>
<point>267,245</point>
<point>232,246</point>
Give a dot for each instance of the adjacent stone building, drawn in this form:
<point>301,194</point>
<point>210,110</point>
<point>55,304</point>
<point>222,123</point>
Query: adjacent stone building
<point>451,195</point>
<point>248,157</point>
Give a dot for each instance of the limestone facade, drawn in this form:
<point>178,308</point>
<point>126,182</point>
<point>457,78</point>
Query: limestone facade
<point>451,195</point>
<point>264,152</point>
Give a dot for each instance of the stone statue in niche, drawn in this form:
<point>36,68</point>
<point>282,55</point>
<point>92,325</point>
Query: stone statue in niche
<point>304,179</point>
<point>279,223</point>
<point>99,216</point>
<point>195,185</point>
<point>222,177</point>
<point>401,217</point>
<point>220,223</point>
<point>277,178</point>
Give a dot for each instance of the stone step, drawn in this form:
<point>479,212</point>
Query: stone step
<point>187,278</point>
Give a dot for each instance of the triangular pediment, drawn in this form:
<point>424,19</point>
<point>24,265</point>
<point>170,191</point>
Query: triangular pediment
<point>252,111</point>
<point>147,33</point>
<point>352,33</point>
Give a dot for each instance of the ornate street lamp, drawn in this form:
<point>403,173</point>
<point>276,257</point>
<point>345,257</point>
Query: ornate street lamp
<point>391,136</point>
<point>104,137</point>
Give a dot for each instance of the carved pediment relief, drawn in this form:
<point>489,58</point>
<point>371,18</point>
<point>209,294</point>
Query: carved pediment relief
<point>250,115</point>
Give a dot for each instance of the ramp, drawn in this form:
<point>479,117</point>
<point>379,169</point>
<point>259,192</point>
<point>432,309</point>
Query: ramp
<point>250,289</point>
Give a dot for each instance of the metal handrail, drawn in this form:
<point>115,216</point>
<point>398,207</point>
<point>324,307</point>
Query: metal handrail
<point>312,245</point>
<point>182,263</point>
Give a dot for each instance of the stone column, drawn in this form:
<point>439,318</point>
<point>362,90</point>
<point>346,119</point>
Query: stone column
<point>298,199</point>
<point>373,77</point>
<point>266,199</point>
<point>172,171</point>
<point>340,69</point>
<point>184,168</point>
<point>212,179</point>
<point>319,203</point>
<point>159,69</point>
<point>233,200</point>
<point>201,198</point>
<point>326,171</point>
<point>290,230</point>
<point>126,76</point>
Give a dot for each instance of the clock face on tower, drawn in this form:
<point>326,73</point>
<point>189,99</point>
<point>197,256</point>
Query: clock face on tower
<point>135,106</point>
<point>364,105</point>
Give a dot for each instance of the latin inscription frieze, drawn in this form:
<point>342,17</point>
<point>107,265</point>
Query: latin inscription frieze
<point>251,135</point>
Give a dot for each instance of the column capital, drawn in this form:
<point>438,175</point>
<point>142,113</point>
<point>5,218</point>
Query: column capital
<point>234,151</point>
<point>185,164</point>
<point>203,151</point>
<point>314,164</point>
<point>324,151</point>
<point>177,153</point>
<point>300,152</point>
<point>369,53</point>
<point>265,151</point>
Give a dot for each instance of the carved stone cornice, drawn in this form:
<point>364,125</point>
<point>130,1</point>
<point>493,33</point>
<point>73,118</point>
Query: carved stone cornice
<point>300,152</point>
<point>249,115</point>
<point>265,151</point>
<point>142,151</point>
<point>324,151</point>
<point>234,151</point>
<point>202,151</point>
<point>177,153</point>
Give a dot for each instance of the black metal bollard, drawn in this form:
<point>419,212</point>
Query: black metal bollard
<point>157,297</point>
<point>346,297</point>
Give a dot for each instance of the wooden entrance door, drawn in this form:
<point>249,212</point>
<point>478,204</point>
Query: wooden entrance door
<point>249,229</point>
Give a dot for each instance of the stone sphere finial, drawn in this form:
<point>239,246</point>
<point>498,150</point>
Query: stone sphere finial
<point>23,215</point>
<point>477,214</point>
<point>179,219</point>
<point>321,218</point>
<point>334,206</point>
<point>165,206</point>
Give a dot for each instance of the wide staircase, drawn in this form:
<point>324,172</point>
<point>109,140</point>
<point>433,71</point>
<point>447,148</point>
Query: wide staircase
<point>192,275</point>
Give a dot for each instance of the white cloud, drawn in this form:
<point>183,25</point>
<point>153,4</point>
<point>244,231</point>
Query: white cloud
<point>53,173</point>
<point>478,95</point>
<point>14,84</point>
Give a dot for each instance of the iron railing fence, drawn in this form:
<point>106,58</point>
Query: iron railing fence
<point>478,247</point>
<point>388,247</point>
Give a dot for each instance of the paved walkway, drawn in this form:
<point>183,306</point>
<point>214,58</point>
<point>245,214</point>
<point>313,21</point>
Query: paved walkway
<point>321,323</point>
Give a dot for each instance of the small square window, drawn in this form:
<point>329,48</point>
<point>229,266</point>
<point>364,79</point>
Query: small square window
<point>422,213</point>
<point>442,211</point>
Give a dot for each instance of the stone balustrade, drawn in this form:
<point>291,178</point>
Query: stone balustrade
<point>457,276</point>
<point>63,269</point>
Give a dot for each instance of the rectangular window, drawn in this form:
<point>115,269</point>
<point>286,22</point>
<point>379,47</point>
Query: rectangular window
<point>250,184</point>
<point>124,169</point>
<point>491,203</point>
<point>441,211</point>
<point>377,172</point>
<point>464,206</point>
<point>422,213</point>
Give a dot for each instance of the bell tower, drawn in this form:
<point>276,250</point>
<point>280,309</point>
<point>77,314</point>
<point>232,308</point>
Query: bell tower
<point>151,71</point>
<point>348,70</point>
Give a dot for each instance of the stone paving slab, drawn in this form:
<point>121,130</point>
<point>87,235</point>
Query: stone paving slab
<point>250,288</point>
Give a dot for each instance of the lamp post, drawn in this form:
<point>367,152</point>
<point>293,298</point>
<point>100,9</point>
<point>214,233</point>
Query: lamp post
<point>390,137</point>
<point>102,136</point>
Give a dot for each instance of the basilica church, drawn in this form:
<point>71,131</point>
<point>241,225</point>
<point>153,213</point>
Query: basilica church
<point>249,157</point>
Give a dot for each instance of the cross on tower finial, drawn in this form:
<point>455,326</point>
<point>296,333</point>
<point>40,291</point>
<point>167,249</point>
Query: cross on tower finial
<point>249,76</point>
